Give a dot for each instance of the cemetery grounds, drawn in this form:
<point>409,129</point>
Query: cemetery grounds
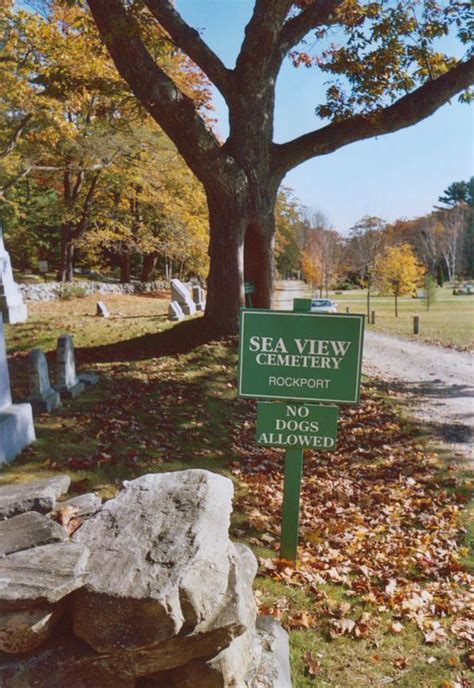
<point>380,594</point>
<point>449,320</point>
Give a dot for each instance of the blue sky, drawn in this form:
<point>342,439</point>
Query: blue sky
<point>394,176</point>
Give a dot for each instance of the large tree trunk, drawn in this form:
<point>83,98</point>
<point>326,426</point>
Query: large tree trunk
<point>125,268</point>
<point>66,267</point>
<point>259,261</point>
<point>242,228</point>
<point>149,265</point>
<point>225,289</point>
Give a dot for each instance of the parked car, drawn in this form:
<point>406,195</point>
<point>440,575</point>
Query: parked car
<point>323,306</point>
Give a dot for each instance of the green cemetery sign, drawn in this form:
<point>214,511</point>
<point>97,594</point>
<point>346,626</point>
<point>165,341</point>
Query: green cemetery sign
<point>300,356</point>
<point>297,425</point>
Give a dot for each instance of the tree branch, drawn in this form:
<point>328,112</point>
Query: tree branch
<point>316,14</point>
<point>190,42</point>
<point>173,110</point>
<point>86,208</point>
<point>11,182</point>
<point>410,109</point>
<point>257,54</point>
<point>10,145</point>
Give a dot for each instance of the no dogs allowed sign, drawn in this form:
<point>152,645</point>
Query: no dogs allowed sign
<point>295,359</point>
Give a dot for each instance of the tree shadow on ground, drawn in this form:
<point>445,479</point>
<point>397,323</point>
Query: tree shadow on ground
<point>447,432</point>
<point>180,339</point>
<point>140,419</point>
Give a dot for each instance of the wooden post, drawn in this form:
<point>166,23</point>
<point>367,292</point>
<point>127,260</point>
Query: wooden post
<point>290,521</point>
<point>372,317</point>
<point>416,324</point>
<point>291,504</point>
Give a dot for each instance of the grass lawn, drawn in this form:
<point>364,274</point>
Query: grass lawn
<point>449,322</point>
<point>379,594</point>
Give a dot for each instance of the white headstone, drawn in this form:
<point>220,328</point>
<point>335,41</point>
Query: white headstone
<point>198,298</point>
<point>102,310</point>
<point>175,311</point>
<point>5,393</point>
<point>11,302</point>
<point>16,420</point>
<point>42,396</point>
<point>181,294</point>
<point>67,382</point>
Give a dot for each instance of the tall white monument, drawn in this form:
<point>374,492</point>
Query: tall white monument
<point>16,420</point>
<point>11,302</point>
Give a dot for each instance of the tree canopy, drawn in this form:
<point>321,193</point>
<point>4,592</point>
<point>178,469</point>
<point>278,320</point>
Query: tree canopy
<point>81,158</point>
<point>385,70</point>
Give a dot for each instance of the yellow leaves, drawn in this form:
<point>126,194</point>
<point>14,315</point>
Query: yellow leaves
<point>312,268</point>
<point>398,271</point>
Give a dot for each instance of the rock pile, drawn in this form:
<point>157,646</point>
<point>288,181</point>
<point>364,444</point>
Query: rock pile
<point>148,592</point>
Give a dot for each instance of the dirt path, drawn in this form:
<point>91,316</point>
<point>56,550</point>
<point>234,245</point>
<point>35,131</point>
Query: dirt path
<point>438,382</point>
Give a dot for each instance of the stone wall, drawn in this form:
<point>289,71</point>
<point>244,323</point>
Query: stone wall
<point>143,591</point>
<point>48,291</point>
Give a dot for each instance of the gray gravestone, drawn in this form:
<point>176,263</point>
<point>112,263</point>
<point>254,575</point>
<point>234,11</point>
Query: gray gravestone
<point>43,266</point>
<point>102,310</point>
<point>11,302</point>
<point>89,378</point>
<point>175,311</point>
<point>16,420</point>
<point>42,396</point>
<point>180,293</point>
<point>198,298</point>
<point>67,382</point>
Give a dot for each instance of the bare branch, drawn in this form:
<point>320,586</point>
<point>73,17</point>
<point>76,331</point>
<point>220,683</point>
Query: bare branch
<point>9,147</point>
<point>410,109</point>
<point>172,109</point>
<point>11,182</point>
<point>318,13</point>
<point>190,42</point>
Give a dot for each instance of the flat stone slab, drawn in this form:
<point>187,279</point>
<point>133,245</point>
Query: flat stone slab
<point>86,504</point>
<point>73,391</point>
<point>41,575</point>
<point>71,662</point>
<point>39,495</point>
<point>89,378</point>
<point>159,560</point>
<point>27,530</point>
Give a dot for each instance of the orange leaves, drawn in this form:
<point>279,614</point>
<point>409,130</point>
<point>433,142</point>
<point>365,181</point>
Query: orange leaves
<point>312,665</point>
<point>68,517</point>
<point>373,521</point>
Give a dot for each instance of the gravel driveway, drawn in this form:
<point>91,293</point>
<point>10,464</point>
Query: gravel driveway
<point>438,382</point>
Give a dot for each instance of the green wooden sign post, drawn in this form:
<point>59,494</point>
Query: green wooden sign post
<point>290,520</point>
<point>290,516</point>
<point>298,358</point>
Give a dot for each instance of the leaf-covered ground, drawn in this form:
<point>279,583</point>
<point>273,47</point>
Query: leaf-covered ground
<point>381,547</point>
<point>381,593</point>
